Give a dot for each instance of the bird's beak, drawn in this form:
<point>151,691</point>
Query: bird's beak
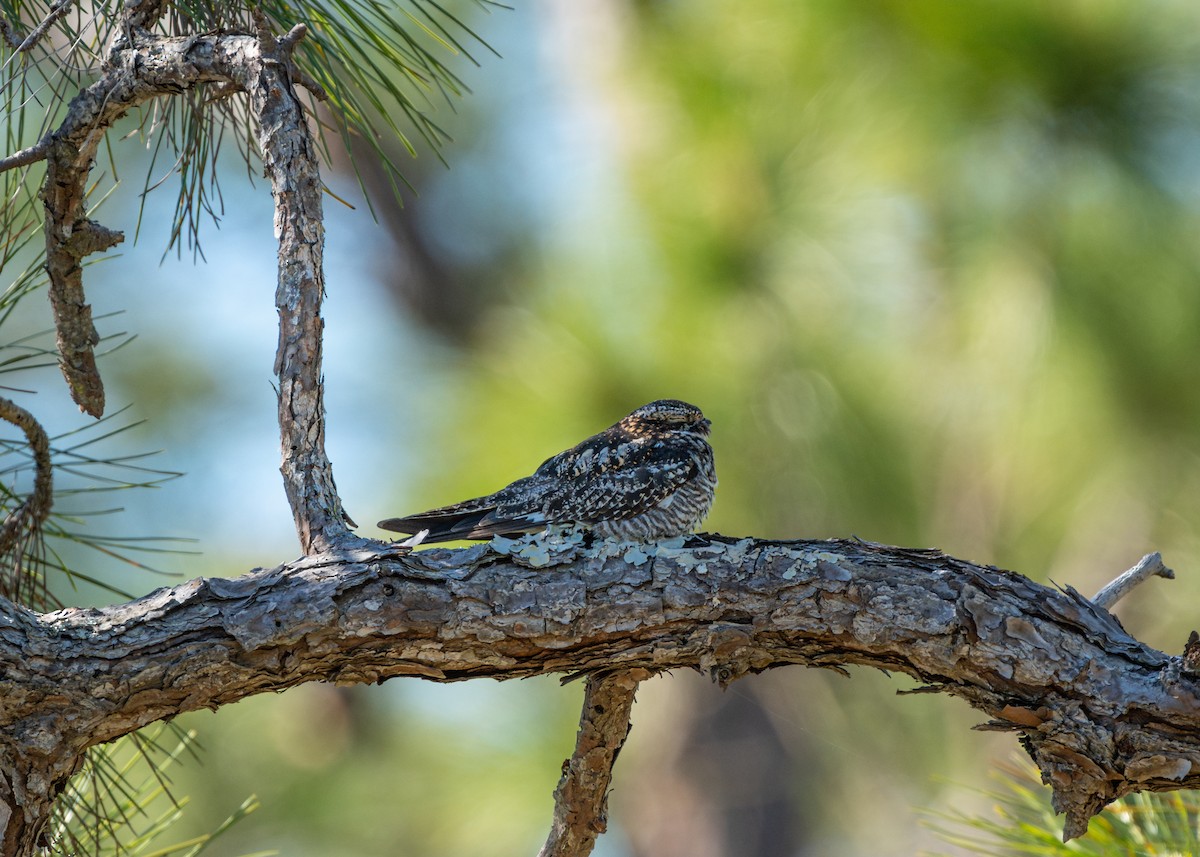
<point>704,426</point>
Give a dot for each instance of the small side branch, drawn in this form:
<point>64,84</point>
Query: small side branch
<point>581,798</point>
<point>57,11</point>
<point>25,157</point>
<point>25,521</point>
<point>308,82</point>
<point>1151,565</point>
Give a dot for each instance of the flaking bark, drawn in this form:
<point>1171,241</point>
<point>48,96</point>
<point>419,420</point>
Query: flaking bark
<point>21,528</point>
<point>148,67</point>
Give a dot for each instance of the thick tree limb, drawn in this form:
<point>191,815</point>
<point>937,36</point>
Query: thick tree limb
<point>1100,713</point>
<point>581,798</point>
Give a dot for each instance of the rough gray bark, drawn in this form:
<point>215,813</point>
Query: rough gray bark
<point>1100,713</point>
<point>133,75</point>
<point>142,67</point>
<point>150,67</point>
<point>1151,565</point>
<point>290,160</point>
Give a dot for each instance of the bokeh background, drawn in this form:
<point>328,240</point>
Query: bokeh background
<point>931,268</point>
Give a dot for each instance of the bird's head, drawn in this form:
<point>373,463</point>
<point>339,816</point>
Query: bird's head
<point>666,415</point>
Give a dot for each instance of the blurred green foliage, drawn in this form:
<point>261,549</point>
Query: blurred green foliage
<point>929,266</point>
<point>121,803</point>
<point>931,269</point>
<point>1021,822</point>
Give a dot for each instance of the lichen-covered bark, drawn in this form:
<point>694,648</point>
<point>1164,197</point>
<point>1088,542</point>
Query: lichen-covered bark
<point>1100,713</point>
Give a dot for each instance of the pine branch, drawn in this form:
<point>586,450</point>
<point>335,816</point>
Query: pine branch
<point>163,66</point>
<point>138,68</point>
<point>290,159</point>
<point>1101,714</point>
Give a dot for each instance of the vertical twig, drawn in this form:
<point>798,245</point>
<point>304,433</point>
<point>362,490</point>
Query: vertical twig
<point>581,798</point>
<point>291,163</point>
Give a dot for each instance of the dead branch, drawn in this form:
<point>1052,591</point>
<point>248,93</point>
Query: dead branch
<point>70,237</point>
<point>25,157</point>
<point>162,67</point>
<point>259,65</point>
<point>1151,565</point>
<point>581,797</point>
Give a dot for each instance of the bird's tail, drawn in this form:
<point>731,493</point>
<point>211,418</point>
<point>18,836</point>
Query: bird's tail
<point>442,526</point>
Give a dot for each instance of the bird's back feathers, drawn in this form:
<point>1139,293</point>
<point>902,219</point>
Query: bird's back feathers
<point>649,476</point>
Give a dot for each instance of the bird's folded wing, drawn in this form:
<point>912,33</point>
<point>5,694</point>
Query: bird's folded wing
<point>615,494</point>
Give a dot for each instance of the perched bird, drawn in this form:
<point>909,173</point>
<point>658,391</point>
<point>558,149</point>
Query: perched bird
<point>648,477</point>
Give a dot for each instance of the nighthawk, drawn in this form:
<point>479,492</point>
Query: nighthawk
<point>648,477</point>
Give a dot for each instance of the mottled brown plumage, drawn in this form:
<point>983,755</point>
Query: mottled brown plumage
<point>648,477</point>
